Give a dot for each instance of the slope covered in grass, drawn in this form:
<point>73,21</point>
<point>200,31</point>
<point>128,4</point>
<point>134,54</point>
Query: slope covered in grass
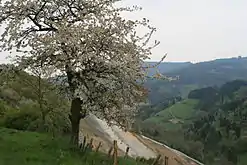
<point>175,116</point>
<point>29,148</point>
<point>182,111</point>
<point>210,126</point>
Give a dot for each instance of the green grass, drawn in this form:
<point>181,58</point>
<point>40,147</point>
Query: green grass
<point>170,126</point>
<point>186,89</point>
<point>162,116</point>
<point>182,112</point>
<point>242,159</point>
<point>29,148</point>
<point>185,109</point>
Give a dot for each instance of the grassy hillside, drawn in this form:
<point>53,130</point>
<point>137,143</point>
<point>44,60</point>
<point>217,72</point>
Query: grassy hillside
<point>29,148</point>
<point>167,126</point>
<point>182,110</point>
<point>174,116</point>
<point>210,126</point>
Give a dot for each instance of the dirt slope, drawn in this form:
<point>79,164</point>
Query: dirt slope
<point>140,146</point>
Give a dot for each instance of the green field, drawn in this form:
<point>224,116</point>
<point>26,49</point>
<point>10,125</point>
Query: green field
<point>29,148</point>
<point>183,110</point>
<point>172,118</point>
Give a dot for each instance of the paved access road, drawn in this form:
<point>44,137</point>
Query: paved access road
<point>140,146</point>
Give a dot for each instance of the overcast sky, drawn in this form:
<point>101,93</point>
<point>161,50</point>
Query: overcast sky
<point>196,30</point>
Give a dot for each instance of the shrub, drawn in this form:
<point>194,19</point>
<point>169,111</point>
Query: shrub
<point>2,109</point>
<point>57,122</point>
<point>31,120</point>
<point>22,120</point>
<point>28,116</point>
<point>241,146</point>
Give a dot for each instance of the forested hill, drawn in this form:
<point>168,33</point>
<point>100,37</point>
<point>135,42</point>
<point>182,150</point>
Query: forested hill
<point>195,76</point>
<point>167,67</point>
<point>210,125</point>
<point>215,72</point>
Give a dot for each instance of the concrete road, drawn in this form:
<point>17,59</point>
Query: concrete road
<point>140,146</point>
<point>124,139</point>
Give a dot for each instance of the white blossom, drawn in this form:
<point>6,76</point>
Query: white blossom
<point>90,40</point>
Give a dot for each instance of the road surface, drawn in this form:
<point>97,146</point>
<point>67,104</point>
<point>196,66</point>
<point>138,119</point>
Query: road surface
<point>140,146</point>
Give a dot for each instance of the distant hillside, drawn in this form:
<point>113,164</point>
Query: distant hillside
<point>194,76</point>
<point>166,67</point>
<point>174,116</point>
<point>210,125</point>
<point>214,72</point>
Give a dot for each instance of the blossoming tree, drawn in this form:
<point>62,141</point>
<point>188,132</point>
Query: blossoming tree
<point>99,51</point>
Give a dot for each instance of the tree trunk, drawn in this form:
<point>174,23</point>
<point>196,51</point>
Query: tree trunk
<point>76,112</point>
<point>75,118</point>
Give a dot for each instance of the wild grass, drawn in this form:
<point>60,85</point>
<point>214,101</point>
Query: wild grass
<point>30,148</point>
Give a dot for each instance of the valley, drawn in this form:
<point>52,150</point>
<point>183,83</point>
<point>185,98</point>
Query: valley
<point>206,120</point>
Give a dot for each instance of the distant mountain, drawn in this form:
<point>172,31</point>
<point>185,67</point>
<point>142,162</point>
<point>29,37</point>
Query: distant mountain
<point>166,67</point>
<point>199,75</point>
<point>214,72</point>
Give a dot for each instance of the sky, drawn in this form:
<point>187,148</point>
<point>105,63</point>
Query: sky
<point>197,30</point>
<point>194,30</point>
